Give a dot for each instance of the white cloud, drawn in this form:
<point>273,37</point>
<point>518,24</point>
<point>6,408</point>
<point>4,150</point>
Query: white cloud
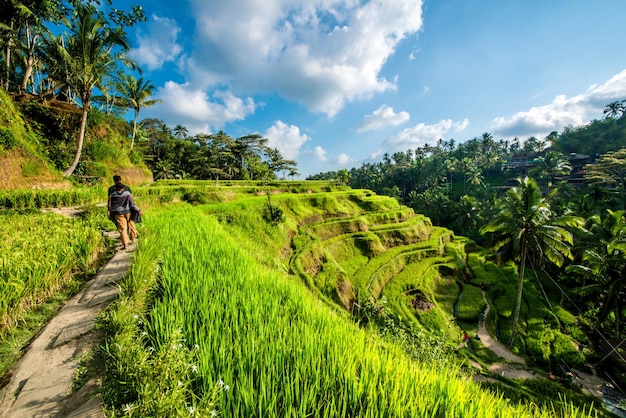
<point>539,121</point>
<point>376,154</point>
<point>159,44</point>
<point>343,158</point>
<point>382,117</point>
<point>422,134</point>
<point>194,108</point>
<point>287,139</point>
<point>320,153</point>
<point>321,54</point>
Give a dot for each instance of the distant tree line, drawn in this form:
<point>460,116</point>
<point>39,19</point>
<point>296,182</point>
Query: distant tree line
<point>172,154</point>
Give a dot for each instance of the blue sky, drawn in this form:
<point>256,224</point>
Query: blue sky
<point>335,83</point>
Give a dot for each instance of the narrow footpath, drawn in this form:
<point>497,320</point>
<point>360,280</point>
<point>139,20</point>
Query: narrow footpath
<point>39,383</point>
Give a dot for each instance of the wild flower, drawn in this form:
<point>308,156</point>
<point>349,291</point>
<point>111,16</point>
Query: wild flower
<point>196,347</point>
<point>194,368</point>
<point>223,385</point>
<point>192,410</point>
<point>127,408</point>
<point>213,413</point>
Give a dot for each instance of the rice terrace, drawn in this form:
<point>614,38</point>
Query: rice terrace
<point>150,268</point>
<point>347,304</point>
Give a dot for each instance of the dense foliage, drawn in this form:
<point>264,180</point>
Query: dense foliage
<point>472,188</point>
<point>66,63</point>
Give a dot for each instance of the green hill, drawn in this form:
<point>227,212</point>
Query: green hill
<point>37,139</point>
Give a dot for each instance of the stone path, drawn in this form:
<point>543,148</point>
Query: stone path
<point>494,345</point>
<point>39,382</point>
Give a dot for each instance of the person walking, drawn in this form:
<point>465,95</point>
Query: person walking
<point>119,207</point>
<point>132,228</point>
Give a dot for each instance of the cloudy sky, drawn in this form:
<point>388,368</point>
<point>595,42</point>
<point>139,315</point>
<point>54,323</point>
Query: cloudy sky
<point>335,83</point>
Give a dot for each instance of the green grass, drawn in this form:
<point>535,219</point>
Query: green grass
<point>44,259</point>
<point>218,318</point>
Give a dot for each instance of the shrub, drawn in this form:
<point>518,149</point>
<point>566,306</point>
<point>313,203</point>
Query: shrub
<point>7,140</point>
<point>273,214</point>
<point>195,198</point>
<point>102,151</point>
<point>32,168</point>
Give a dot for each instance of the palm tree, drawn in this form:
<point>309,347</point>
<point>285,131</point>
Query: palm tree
<point>552,166</point>
<point>475,177</point>
<point>615,109</point>
<point>602,267</point>
<point>180,131</point>
<point>526,229</point>
<point>83,59</point>
<point>135,94</point>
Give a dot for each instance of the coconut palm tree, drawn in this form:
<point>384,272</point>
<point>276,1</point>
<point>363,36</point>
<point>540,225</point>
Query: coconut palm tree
<point>527,229</point>
<point>615,109</point>
<point>551,167</point>
<point>135,94</point>
<point>602,267</point>
<point>180,131</point>
<point>83,59</point>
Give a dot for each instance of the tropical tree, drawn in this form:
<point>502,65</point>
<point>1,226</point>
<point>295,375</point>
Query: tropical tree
<point>246,148</point>
<point>19,29</point>
<point>135,94</point>
<point>608,175</point>
<point>602,267</point>
<point>615,109</point>
<point>82,59</point>
<point>551,167</point>
<point>474,176</point>
<point>277,162</point>
<point>527,229</point>
<point>180,131</point>
<point>344,177</point>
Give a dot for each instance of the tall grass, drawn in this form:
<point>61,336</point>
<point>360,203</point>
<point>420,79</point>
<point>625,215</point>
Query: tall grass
<point>43,260</point>
<point>45,198</point>
<point>38,256</point>
<point>246,341</point>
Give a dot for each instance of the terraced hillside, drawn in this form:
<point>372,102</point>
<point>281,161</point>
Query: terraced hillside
<point>355,246</point>
<point>371,247</point>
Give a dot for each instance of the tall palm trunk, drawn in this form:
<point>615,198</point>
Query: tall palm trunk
<point>520,291</point>
<point>132,140</point>
<point>8,59</point>
<point>81,138</point>
<point>30,60</point>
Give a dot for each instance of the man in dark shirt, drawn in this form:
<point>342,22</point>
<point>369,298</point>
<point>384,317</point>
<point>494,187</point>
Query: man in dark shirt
<point>119,207</point>
<point>132,229</point>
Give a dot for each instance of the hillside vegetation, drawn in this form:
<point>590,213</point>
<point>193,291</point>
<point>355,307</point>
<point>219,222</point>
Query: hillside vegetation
<point>37,139</point>
<point>302,298</point>
<point>211,319</point>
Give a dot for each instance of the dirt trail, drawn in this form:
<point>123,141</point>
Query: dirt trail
<point>38,384</point>
<point>515,366</point>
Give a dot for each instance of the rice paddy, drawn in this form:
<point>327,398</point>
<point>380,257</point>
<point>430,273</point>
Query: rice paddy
<point>253,342</point>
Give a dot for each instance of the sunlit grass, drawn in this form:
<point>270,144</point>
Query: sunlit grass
<point>259,344</point>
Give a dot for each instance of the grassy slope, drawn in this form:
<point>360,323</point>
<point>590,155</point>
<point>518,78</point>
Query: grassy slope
<point>258,330</point>
<point>25,164</point>
<point>22,163</point>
